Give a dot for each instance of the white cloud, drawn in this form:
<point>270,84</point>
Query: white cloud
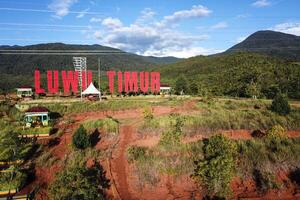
<point>147,36</point>
<point>261,3</point>
<point>82,13</point>
<point>195,12</point>
<point>291,28</point>
<point>220,25</point>
<point>183,52</point>
<point>146,15</point>
<point>94,19</point>
<point>61,7</point>
<point>112,23</point>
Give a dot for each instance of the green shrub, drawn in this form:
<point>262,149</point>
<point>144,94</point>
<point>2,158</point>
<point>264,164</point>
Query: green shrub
<point>217,168</point>
<point>148,113</point>
<point>265,180</point>
<point>76,181</point>
<point>135,153</point>
<point>278,144</point>
<point>80,139</point>
<point>219,145</point>
<point>280,105</point>
<point>276,131</point>
<point>173,136</point>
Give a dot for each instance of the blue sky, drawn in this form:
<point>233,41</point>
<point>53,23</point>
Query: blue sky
<point>179,28</point>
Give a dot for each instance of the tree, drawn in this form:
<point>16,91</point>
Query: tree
<point>280,105</point>
<point>194,89</point>
<point>10,146</point>
<point>217,168</point>
<point>78,182</point>
<point>253,90</point>
<point>80,138</point>
<point>181,85</point>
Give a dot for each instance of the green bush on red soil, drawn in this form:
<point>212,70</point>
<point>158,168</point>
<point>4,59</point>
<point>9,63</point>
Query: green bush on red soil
<point>135,153</point>
<point>173,136</point>
<point>280,147</point>
<point>276,131</point>
<point>148,113</point>
<point>80,139</point>
<point>217,168</point>
<point>265,180</point>
<point>76,181</point>
<point>280,105</point>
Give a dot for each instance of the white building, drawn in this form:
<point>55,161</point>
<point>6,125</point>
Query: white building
<point>24,92</point>
<point>165,89</point>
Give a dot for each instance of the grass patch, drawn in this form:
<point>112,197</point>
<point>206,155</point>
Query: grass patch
<point>14,179</point>
<point>35,131</point>
<point>46,160</point>
<point>267,154</point>
<point>80,107</point>
<point>226,115</point>
<point>152,162</point>
<point>108,125</point>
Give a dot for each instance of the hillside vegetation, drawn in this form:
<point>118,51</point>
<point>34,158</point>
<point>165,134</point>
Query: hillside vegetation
<point>240,74</point>
<point>18,69</point>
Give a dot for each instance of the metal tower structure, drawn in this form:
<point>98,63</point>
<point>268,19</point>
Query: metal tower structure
<point>80,66</point>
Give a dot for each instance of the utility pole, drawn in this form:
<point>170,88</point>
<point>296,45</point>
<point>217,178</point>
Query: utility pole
<point>99,74</point>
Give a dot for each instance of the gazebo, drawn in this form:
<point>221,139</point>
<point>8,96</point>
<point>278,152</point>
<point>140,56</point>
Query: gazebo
<point>91,90</point>
<point>37,116</point>
<point>24,91</point>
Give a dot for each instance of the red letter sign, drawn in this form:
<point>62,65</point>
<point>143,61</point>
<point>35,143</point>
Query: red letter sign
<point>37,83</point>
<point>70,79</point>
<point>131,83</point>
<point>111,75</point>
<point>155,82</point>
<point>52,88</point>
<point>120,82</point>
<point>144,81</point>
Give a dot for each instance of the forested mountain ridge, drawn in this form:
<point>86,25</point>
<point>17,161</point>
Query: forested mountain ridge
<point>271,43</point>
<point>17,69</point>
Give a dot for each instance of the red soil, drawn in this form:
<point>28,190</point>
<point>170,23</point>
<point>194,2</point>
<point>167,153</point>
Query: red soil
<point>119,163</point>
<point>124,182</point>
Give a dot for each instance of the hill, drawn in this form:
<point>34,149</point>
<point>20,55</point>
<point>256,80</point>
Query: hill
<point>240,74</point>
<point>271,43</point>
<point>162,60</point>
<point>17,69</point>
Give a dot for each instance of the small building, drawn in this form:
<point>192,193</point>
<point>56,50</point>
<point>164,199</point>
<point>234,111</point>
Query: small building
<point>37,116</point>
<point>165,88</point>
<point>24,91</point>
